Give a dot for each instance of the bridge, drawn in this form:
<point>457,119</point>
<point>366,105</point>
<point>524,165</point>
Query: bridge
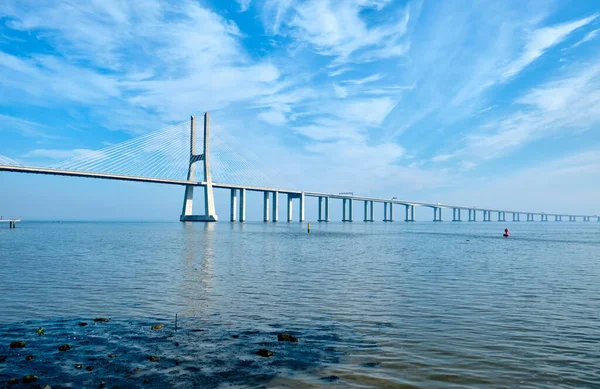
<point>170,156</point>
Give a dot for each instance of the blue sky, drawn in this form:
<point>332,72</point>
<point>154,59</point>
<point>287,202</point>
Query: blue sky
<point>492,103</point>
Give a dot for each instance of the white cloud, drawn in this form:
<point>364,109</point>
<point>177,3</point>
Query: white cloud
<point>371,78</point>
<point>539,41</point>
<point>340,91</point>
<point>339,71</point>
<point>244,5</point>
<point>588,37</point>
<point>369,111</point>
<point>325,25</point>
<point>273,117</point>
<point>442,157</point>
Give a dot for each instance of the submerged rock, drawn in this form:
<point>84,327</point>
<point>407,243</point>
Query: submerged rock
<point>235,336</point>
<point>78,366</point>
<point>29,379</point>
<point>29,357</point>
<point>101,320</point>
<point>2,358</point>
<point>82,324</point>
<point>13,381</point>
<point>102,384</point>
<point>17,344</point>
<point>177,362</point>
<point>113,355</point>
<point>264,353</point>
<point>157,327</point>
<point>89,368</point>
<point>283,337</point>
<point>64,347</point>
<point>330,378</point>
<point>153,358</point>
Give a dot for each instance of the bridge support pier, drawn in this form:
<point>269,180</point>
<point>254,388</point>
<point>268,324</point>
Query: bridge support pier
<point>347,211</point>
<point>586,218</point>
<point>410,213</point>
<point>437,214</point>
<point>572,218</point>
<point>456,215</point>
<point>472,215</point>
<point>242,205</point>
<point>275,207</point>
<point>301,208</point>
<point>388,216</point>
<point>516,217</point>
<point>266,207</point>
<point>530,217</point>
<point>233,205</point>
<point>188,198</point>
<point>289,208</point>
<point>368,211</point>
<point>487,216</point>
<point>544,218</point>
<point>501,216</point>
<point>323,217</point>
<point>557,218</point>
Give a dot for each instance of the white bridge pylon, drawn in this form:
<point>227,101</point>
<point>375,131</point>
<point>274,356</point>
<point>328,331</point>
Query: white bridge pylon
<point>188,199</point>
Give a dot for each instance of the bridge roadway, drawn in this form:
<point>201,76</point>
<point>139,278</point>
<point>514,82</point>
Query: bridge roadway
<point>292,194</point>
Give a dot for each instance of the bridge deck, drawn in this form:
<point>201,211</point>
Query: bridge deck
<point>70,173</point>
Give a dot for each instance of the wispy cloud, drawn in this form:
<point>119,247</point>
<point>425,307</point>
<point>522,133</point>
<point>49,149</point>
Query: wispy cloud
<point>57,154</point>
<point>588,37</point>
<point>244,5</point>
<point>540,40</point>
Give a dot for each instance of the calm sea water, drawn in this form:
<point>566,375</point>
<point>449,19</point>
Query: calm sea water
<point>443,305</point>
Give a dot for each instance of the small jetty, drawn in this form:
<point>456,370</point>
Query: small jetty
<point>12,223</point>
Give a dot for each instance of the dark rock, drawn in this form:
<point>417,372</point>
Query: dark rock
<point>264,353</point>
<point>29,357</point>
<point>330,378</point>
<point>177,362</point>
<point>64,347</point>
<point>17,344</point>
<point>89,368</point>
<point>157,327</point>
<point>29,379</point>
<point>13,381</point>
<point>197,330</point>
<point>82,324</point>
<point>177,344</point>
<point>137,369</point>
<point>283,337</point>
<point>102,384</point>
<point>78,366</point>
<point>101,320</point>
<point>153,358</point>
<point>2,358</point>
<point>235,336</point>
<point>113,355</point>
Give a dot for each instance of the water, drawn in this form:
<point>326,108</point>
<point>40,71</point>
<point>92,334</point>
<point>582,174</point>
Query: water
<point>443,305</point>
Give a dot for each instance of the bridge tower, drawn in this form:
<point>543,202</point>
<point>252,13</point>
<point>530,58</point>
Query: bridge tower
<point>188,199</point>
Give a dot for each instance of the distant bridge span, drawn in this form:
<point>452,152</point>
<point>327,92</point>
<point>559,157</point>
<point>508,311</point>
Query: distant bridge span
<point>238,194</point>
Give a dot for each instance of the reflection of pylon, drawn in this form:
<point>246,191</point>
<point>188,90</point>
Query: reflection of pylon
<point>188,199</point>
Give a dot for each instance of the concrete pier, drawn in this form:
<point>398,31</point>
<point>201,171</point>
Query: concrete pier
<point>456,215</point>
<point>544,218</point>
<point>369,211</point>
<point>472,215</point>
<point>558,218</point>
<point>586,218</point>
<point>530,217</point>
<point>12,223</point>
<point>301,210</point>
<point>410,213</point>
<point>372,211</point>
<point>388,212</point>
<point>516,217</point>
<point>266,207</point>
<point>347,210</point>
<point>501,216</point>
<point>275,207</point>
<point>487,216</point>
<point>289,208</point>
<point>233,205</point>
<point>571,218</point>
<point>437,214</point>
<point>242,205</point>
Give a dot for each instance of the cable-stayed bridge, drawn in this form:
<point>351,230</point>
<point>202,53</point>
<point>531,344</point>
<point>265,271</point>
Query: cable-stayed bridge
<point>175,154</point>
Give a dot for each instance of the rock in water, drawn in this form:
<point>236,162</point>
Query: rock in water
<point>101,320</point>
<point>235,336</point>
<point>2,358</point>
<point>264,353</point>
<point>17,344</point>
<point>29,357</point>
<point>283,337</point>
<point>29,379</point>
<point>78,366</point>
<point>82,324</point>
<point>113,355</point>
<point>153,358</point>
<point>40,331</point>
<point>89,368</point>
<point>64,347</point>
<point>13,381</point>
<point>157,327</point>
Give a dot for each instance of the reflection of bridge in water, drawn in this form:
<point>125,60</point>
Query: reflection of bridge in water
<point>169,156</point>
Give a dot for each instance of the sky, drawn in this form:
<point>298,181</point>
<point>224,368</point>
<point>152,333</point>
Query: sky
<point>487,104</point>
